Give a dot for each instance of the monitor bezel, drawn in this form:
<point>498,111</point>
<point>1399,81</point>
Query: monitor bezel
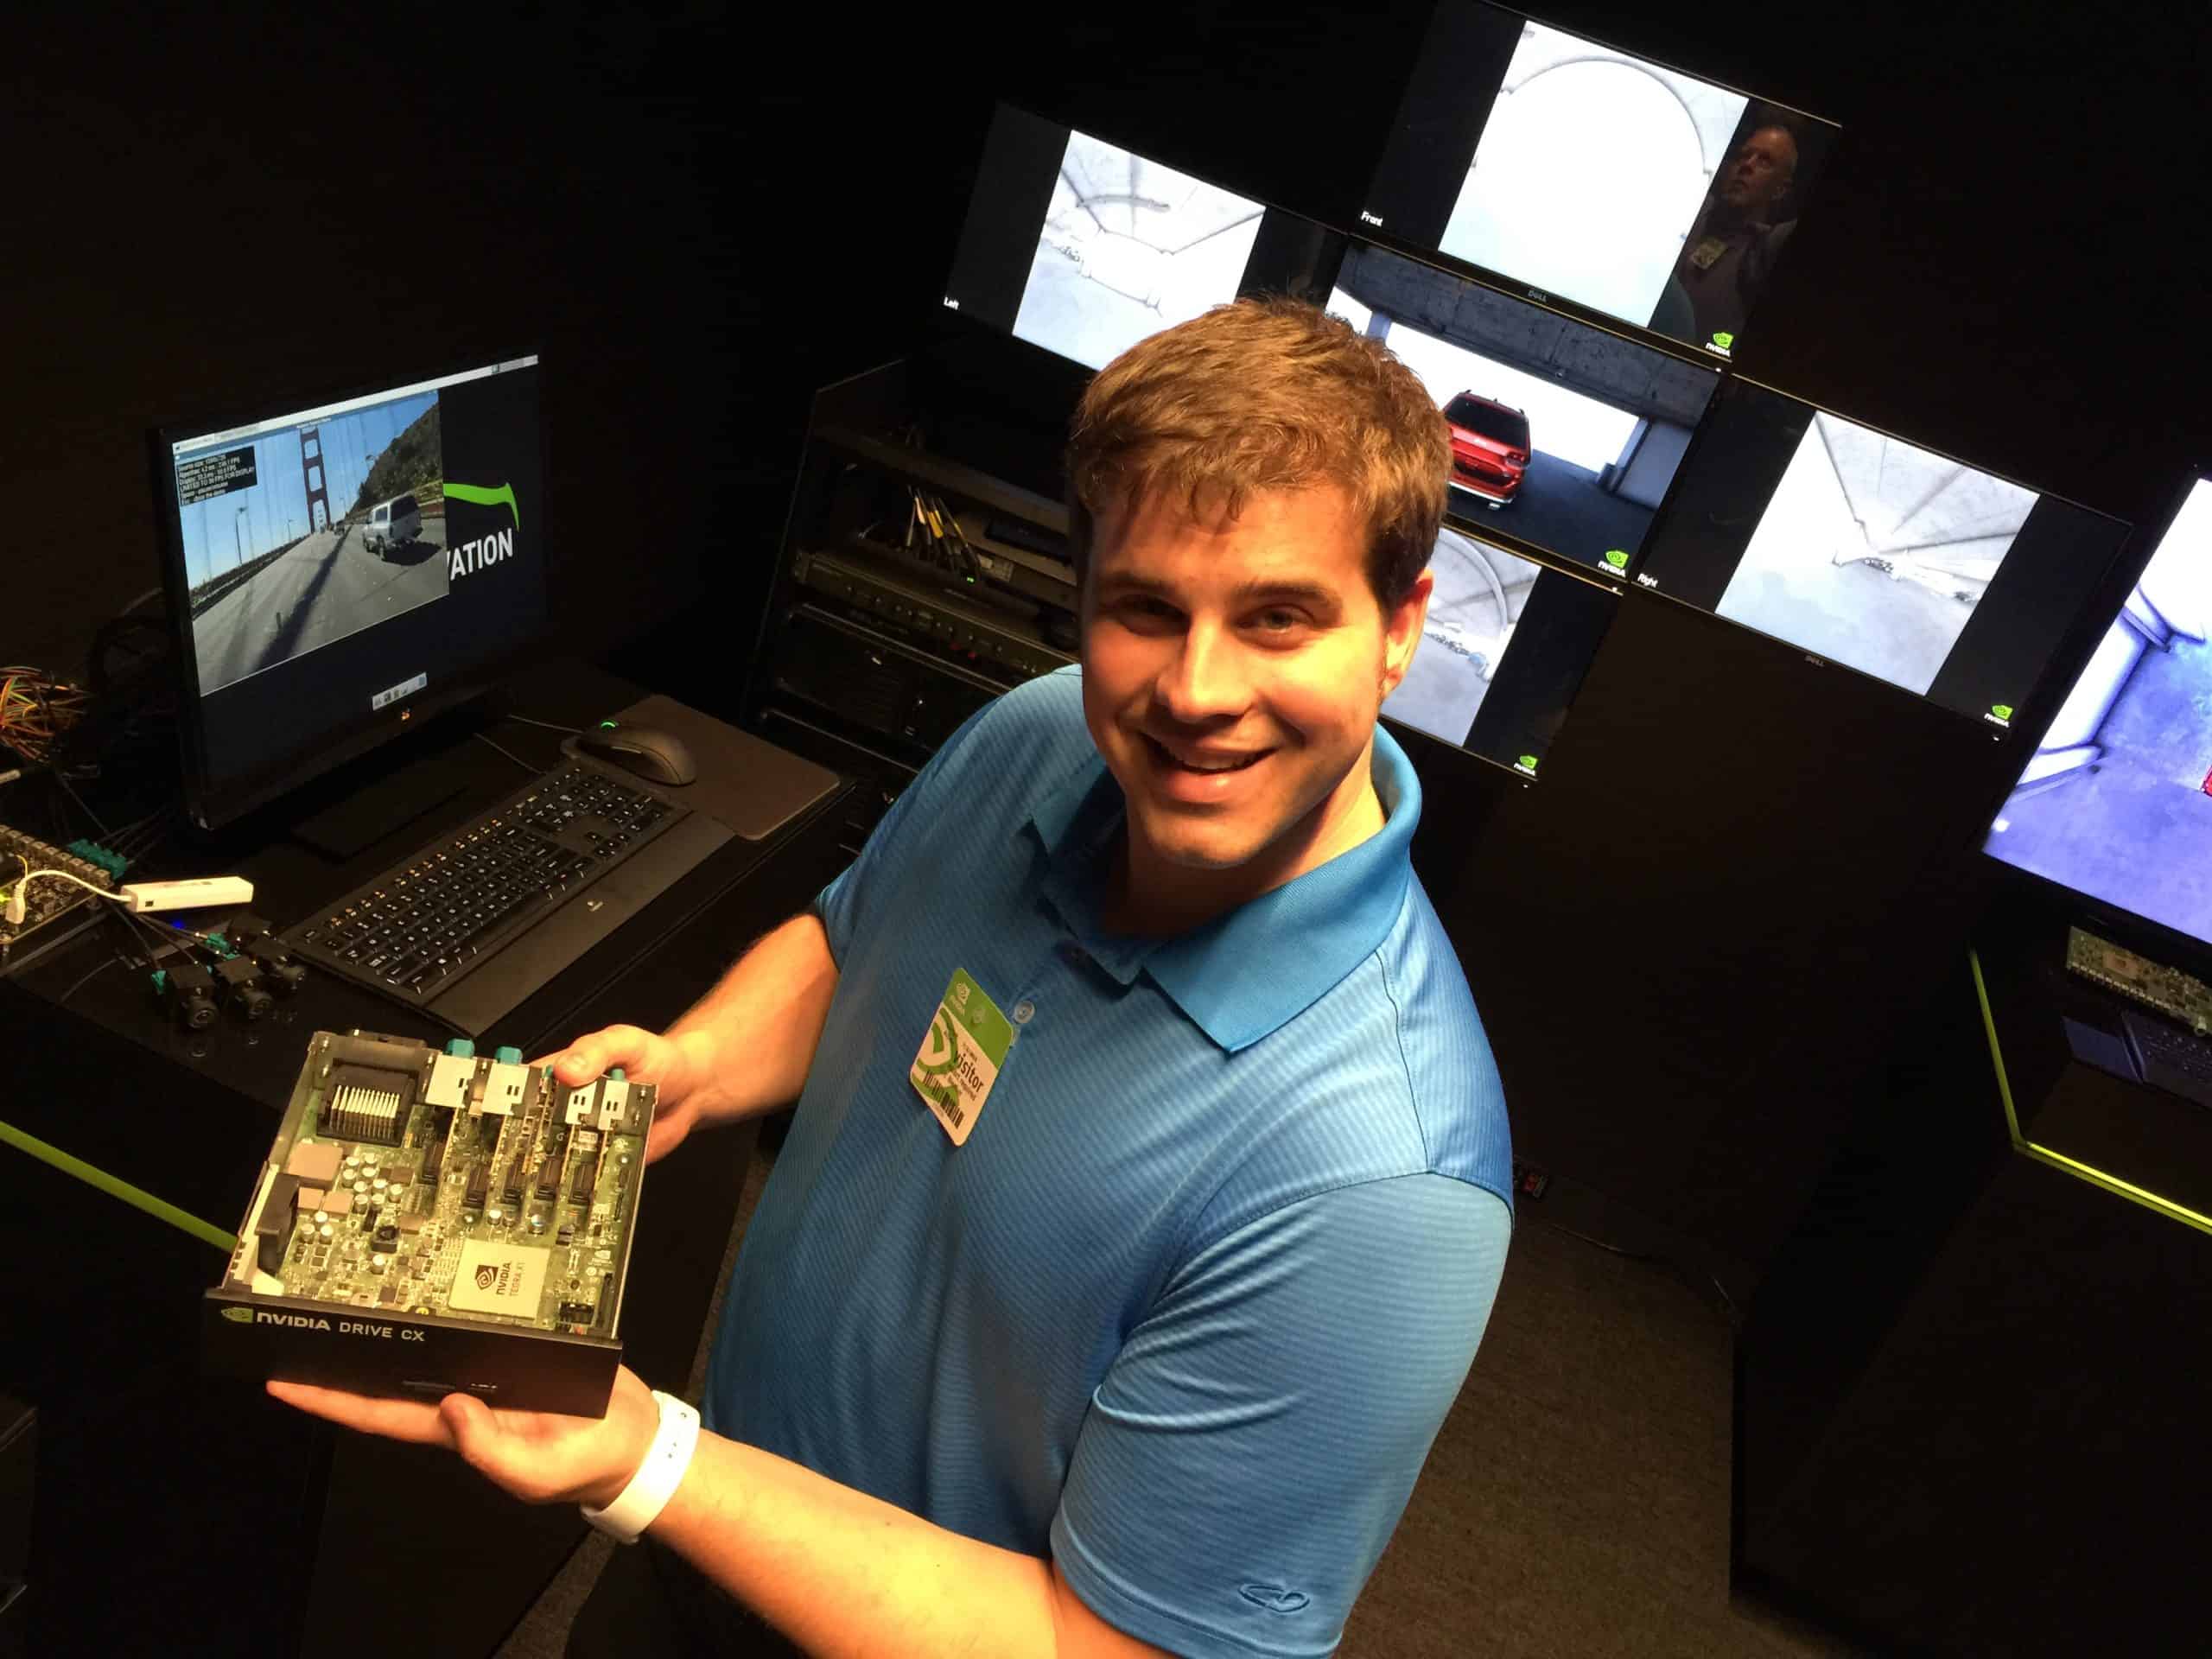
<point>210,803</point>
<point>1382,236</point>
<point>2129,929</point>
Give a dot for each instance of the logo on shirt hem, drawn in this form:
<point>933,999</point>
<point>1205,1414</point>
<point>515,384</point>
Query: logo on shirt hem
<point>1275,1598</point>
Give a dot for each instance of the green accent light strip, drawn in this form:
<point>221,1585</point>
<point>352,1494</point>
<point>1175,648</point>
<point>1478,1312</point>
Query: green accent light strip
<point>503,496</point>
<point>158,1208</point>
<point>2059,1161</point>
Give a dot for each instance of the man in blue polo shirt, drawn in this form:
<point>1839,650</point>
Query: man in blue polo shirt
<point>1148,1188</point>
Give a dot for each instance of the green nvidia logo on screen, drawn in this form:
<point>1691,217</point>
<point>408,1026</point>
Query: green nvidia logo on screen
<point>1618,559</point>
<point>2002,710</point>
<point>242,1315</point>
<point>1724,340</point>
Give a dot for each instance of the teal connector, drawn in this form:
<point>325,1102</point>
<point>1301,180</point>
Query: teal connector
<point>615,1072</point>
<point>462,1049</point>
<point>509,1056</point>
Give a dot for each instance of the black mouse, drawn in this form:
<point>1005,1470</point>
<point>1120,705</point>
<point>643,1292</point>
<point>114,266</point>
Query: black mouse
<point>658,756</point>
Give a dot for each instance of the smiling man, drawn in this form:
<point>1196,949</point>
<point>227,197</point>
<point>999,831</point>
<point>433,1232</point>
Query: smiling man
<point>1147,1192</point>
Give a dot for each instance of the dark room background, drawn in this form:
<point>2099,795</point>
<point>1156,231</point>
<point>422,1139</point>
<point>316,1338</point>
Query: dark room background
<point>1695,944</point>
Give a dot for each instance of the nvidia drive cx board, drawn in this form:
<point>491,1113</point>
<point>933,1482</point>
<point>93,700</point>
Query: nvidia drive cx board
<point>431,1221</point>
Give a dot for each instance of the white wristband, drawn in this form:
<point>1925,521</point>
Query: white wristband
<point>655,1483</point>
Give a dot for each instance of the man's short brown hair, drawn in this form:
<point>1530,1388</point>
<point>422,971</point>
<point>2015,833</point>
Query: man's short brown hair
<point>1259,396</point>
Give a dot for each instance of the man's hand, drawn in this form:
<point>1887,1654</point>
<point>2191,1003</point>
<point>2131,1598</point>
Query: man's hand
<point>540,1457</point>
<point>669,1064</point>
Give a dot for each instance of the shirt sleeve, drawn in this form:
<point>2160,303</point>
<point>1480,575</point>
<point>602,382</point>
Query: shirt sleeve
<point>1249,1452</point>
<point>843,905</point>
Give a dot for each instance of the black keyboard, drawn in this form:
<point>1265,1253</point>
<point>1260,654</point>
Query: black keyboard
<point>2170,1057</point>
<point>542,878</point>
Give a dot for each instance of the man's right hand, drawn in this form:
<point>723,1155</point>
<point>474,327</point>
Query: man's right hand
<point>644,1056</point>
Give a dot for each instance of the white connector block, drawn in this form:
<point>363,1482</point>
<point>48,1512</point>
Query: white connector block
<point>207,892</point>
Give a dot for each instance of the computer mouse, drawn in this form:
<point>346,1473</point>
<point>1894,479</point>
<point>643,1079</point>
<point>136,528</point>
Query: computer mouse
<point>658,756</point>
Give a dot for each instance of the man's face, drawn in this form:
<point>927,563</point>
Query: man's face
<point>1760,171</point>
<point>1231,673</point>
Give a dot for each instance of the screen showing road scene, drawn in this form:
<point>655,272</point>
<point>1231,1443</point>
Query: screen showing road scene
<point>1503,651</point>
<point>1594,175</point>
<point>1083,248</point>
<point>2116,802</point>
<point>336,561</point>
<point>1563,434</point>
<point>1863,548</point>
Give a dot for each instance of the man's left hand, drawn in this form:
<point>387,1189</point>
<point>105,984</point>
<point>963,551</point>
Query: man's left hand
<point>540,1457</point>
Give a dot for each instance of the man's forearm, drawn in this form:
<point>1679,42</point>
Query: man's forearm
<point>752,1037</point>
<point>848,1576</point>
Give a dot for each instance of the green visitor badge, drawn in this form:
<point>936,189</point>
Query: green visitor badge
<point>960,1055</point>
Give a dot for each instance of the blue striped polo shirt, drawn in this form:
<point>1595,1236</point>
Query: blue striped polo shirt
<point>1186,1310</point>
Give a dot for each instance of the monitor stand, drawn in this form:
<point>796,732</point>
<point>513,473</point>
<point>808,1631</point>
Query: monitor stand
<point>384,807</point>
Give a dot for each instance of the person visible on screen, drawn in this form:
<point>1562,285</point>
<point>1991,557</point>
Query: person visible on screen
<point>1151,1181</point>
<point>1747,217</point>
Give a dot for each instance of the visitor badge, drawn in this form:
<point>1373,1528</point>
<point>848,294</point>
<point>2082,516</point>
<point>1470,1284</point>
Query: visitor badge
<point>960,1057</point>
<point>1708,252</point>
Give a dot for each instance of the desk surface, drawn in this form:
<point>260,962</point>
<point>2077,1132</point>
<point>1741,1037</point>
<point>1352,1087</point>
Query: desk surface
<point>187,1116</point>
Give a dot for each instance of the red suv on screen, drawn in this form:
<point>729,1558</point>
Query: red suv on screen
<point>1490,447</point>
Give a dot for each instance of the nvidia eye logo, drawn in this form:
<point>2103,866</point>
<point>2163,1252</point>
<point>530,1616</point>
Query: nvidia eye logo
<point>1528,763</point>
<point>1724,340</point>
<point>241,1315</point>
<point>2002,710</point>
<point>1618,559</point>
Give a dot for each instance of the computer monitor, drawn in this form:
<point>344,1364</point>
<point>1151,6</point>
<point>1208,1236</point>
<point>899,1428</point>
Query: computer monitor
<point>339,569</point>
<point>1592,175</point>
<point>1502,653</point>
<point>1864,550</point>
<point>2115,804</point>
<point>1565,436</point>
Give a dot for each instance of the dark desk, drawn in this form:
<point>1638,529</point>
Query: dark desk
<point>188,1515</point>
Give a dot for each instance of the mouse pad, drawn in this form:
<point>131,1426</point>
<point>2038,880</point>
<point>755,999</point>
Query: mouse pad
<point>744,781</point>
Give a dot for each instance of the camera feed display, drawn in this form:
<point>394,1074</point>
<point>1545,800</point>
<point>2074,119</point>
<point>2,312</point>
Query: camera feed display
<point>1571,434</point>
<point>1594,175</point>
<point>2116,802</point>
<point>1873,553</point>
<point>1504,650</point>
<point>1129,247</point>
<point>1479,595</point>
<point>296,537</point>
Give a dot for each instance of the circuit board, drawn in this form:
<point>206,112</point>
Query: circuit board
<point>2167,989</point>
<point>412,1181</point>
<point>45,902</point>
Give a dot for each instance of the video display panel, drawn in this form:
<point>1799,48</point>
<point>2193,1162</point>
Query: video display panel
<point>1591,174</point>
<point>329,564</point>
<point>1504,650</point>
<point>2116,802</point>
<point>1862,549</point>
<point>1563,434</point>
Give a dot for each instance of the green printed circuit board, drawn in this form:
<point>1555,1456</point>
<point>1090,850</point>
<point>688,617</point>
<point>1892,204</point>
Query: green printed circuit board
<point>410,1180</point>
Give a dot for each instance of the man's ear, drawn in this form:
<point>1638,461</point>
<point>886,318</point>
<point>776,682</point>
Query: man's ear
<point>1402,630</point>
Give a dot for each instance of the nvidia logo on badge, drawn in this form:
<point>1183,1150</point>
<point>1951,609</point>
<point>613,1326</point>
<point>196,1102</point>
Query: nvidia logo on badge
<point>1527,763</point>
<point>2002,710</point>
<point>1724,340</point>
<point>242,1315</point>
<point>1618,559</point>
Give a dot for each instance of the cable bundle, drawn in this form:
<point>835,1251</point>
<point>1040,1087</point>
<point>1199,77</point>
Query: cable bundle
<point>35,709</point>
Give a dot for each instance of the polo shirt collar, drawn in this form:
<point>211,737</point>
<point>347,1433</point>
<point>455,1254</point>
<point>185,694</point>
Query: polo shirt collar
<point>1248,973</point>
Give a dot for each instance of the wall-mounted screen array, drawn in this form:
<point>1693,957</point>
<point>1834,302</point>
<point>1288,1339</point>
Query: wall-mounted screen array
<point>1568,434</point>
<point>1866,550</point>
<point>1503,651</point>
<point>331,569</point>
<point>2116,802</point>
<point>1594,175</point>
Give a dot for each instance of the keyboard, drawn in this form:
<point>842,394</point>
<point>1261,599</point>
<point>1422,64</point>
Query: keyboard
<point>469,925</point>
<point>2169,1057</point>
